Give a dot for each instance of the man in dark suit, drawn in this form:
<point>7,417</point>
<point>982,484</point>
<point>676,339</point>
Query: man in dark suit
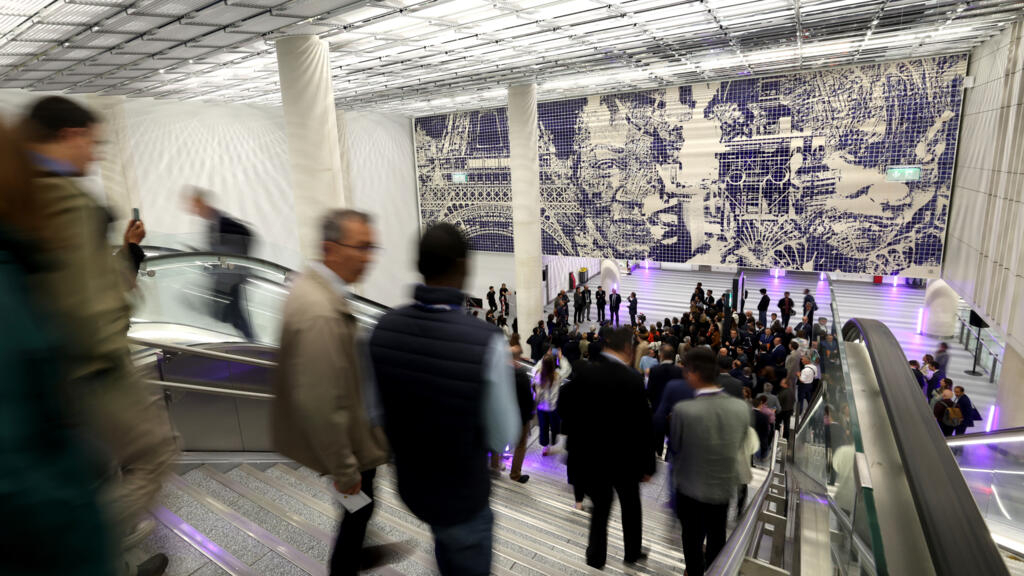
<point>227,236</point>
<point>599,297</point>
<point>657,379</point>
<point>810,305</point>
<point>632,308</point>
<point>605,407</point>
<point>915,368</point>
<point>614,301</point>
<point>586,301</point>
<point>970,413</point>
<point>503,299</point>
<point>803,328</point>
<point>492,304</point>
<point>786,308</point>
<point>762,307</point>
<point>725,381</point>
<point>709,302</point>
<point>577,306</point>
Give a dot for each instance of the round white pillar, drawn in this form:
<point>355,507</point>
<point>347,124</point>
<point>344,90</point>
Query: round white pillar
<point>940,303</point>
<point>311,126</point>
<point>524,166</point>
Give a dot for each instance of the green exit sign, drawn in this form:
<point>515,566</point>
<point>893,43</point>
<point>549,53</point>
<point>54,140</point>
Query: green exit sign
<point>460,178</point>
<point>902,173</point>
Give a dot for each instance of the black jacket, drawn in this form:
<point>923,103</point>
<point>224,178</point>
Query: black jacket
<point>606,411</point>
<point>786,305</point>
<point>586,296</point>
<point>632,304</point>
<point>658,378</point>
<point>600,296</point>
<point>490,299</point>
<point>524,394</point>
<point>614,301</point>
<point>765,302</point>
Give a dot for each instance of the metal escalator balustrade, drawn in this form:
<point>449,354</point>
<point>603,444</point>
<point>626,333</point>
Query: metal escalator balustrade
<point>870,487</point>
<point>992,465</point>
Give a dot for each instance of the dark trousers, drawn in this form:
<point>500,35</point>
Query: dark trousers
<point>785,320</point>
<point>961,429</point>
<point>614,316</point>
<point>600,491</point>
<point>762,317</point>
<point>349,544</point>
<point>600,312</point>
<point>465,549</point>
<point>578,314</point>
<point>550,425</point>
<point>701,521</point>
<point>578,491</point>
<point>233,313</point>
<point>587,310</point>
<point>804,394</point>
<point>632,317</point>
<point>784,418</point>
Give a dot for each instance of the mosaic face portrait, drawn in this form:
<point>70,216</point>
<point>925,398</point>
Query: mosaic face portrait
<point>776,172</point>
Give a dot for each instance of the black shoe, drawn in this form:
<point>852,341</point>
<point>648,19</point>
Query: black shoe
<point>155,565</point>
<point>523,479</point>
<point>640,558</point>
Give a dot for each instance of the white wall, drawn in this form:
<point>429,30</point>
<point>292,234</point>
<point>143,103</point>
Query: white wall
<point>985,244</point>
<point>377,157</point>
<point>490,269</point>
<point>237,151</point>
<point>558,272</point>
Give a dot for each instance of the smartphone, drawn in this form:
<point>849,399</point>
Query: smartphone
<point>135,214</point>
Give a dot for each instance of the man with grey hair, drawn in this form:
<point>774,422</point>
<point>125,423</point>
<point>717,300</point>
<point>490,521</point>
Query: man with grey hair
<point>325,415</point>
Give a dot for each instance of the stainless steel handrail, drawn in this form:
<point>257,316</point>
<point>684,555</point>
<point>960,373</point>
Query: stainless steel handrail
<point>211,390</point>
<point>203,353</point>
<point>1003,436</point>
<point>862,549</point>
<point>730,558</point>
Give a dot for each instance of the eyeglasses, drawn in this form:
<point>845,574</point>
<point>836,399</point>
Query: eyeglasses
<point>361,248</point>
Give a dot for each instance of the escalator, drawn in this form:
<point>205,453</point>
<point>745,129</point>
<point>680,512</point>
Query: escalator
<point>865,485</point>
<point>869,485</point>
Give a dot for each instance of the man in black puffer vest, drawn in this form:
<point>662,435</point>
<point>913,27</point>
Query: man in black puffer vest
<point>445,381</point>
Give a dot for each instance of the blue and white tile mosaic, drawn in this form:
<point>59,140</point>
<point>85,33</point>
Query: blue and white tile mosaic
<point>775,172</point>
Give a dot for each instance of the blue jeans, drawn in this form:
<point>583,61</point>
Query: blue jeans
<point>465,549</point>
<point>550,426</point>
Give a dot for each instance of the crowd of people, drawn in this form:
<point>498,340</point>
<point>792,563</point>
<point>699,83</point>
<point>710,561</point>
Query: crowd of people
<point>706,391</point>
<point>952,408</point>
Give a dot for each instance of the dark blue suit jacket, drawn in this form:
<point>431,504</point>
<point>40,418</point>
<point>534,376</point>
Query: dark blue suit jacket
<point>675,391</point>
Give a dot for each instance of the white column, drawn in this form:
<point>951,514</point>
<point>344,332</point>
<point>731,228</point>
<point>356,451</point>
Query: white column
<point>525,176</point>
<point>1010,393</point>
<point>115,167</point>
<point>311,126</point>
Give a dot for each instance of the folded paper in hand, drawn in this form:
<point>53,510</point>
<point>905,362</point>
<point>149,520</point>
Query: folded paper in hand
<point>352,502</point>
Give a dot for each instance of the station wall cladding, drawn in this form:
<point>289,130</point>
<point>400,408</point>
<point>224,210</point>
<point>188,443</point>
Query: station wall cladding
<point>788,171</point>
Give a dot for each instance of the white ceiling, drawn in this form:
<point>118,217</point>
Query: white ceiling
<point>418,56</point>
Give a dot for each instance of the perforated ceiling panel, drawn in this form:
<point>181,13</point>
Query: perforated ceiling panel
<point>420,56</point>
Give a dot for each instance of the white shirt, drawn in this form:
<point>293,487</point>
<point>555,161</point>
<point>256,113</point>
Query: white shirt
<point>808,374</point>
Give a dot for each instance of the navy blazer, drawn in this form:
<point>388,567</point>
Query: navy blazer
<point>966,408</point>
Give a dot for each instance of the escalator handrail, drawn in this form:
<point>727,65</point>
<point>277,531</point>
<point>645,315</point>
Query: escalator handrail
<point>730,558</point>
<point>211,390</point>
<point>192,256</point>
<point>956,533</point>
<point>201,352</point>
<point>995,437</point>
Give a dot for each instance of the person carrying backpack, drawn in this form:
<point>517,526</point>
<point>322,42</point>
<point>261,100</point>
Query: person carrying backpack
<point>947,413</point>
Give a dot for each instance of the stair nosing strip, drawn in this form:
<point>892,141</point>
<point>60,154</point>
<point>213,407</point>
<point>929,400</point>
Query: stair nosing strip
<point>528,562</point>
<point>321,507</point>
<point>267,504</point>
<point>195,538</point>
<point>325,509</point>
<point>255,531</point>
<point>410,529</point>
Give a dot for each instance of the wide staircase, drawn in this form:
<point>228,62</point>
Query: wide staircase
<point>866,484</point>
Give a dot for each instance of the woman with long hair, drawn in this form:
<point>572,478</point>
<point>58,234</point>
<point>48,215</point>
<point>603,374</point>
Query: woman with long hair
<point>549,374</point>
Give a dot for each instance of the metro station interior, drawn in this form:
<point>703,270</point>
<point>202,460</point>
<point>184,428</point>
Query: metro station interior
<point>866,153</point>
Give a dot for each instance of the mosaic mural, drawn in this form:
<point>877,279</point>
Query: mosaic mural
<point>775,172</point>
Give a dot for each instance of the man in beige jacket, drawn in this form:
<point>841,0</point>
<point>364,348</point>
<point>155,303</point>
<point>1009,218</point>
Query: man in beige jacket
<point>325,414</point>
